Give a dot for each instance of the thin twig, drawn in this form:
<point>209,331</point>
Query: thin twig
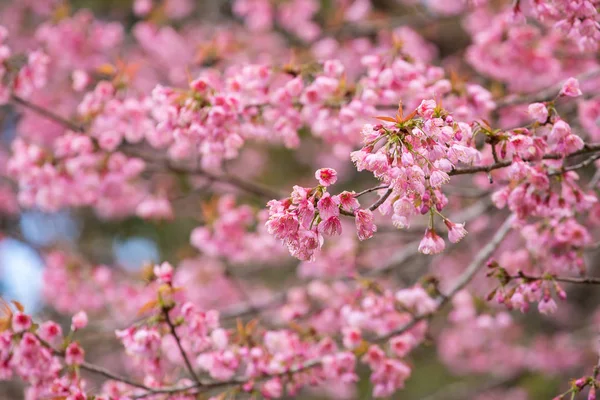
<point>583,164</point>
<point>587,149</point>
<point>92,367</point>
<point>545,94</point>
<point>373,206</point>
<point>247,186</point>
<point>180,346</point>
<point>373,189</point>
<point>47,114</point>
<point>589,280</point>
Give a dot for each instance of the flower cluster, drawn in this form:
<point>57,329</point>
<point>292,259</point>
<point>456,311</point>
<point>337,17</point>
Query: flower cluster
<point>23,81</point>
<point>303,220</point>
<point>414,155</point>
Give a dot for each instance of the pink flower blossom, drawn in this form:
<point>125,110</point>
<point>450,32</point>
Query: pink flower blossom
<point>438,178</point>
<point>326,176</point>
<point>352,338</point>
<point>348,201</point>
<point>79,321</point>
<point>364,224</point>
<point>164,272</point>
<point>455,231</point>
<point>538,112</point>
<point>547,306</point>
<point>21,322</point>
<point>431,243</point>
<point>74,354</point>
<point>570,88</point>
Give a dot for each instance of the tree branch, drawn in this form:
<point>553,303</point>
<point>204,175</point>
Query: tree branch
<point>47,114</point>
<point>466,277</point>
<point>179,345</point>
<point>587,280</point>
<point>545,94</point>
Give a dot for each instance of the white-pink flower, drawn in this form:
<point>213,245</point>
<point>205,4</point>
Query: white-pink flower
<point>570,88</point>
<point>431,243</point>
<point>455,231</point>
<point>164,272</point>
<point>538,111</point>
<point>79,321</point>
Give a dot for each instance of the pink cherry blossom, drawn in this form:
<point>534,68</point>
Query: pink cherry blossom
<point>538,112</point>
<point>326,176</point>
<point>571,88</point>
<point>79,321</point>
<point>432,243</point>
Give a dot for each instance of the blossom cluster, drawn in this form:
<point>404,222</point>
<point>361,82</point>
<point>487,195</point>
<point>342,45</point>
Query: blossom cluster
<point>303,220</point>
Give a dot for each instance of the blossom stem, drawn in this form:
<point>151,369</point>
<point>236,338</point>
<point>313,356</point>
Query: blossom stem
<point>94,368</point>
<point>179,345</point>
<point>462,281</point>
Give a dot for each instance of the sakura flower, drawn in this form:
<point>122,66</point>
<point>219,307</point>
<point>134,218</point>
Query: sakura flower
<point>328,206</point>
<point>547,306</point>
<point>164,272</point>
<point>50,331</point>
<point>21,322</point>
<point>426,108</point>
<point>326,176</point>
<point>79,321</point>
<point>351,338</point>
<point>431,243</point>
<point>331,226</point>
<point>570,88</point>
<point>273,388</point>
<point>364,224</point>
<point>401,345</point>
<point>438,178</point>
<point>348,201</point>
<point>538,112</point>
<point>455,231</point>
<point>74,354</point>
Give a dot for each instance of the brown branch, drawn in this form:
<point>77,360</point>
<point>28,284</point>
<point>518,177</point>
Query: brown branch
<point>462,281</point>
<point>373,206</point>
<point>588,280</point>
<point>373,189</point>
<point>545,94</point>
<point>47,114</point>
<point>180,346</point>
<point>583,164</point>
<point>247,186</point>
<point>93,368</point>
<point>587,149</point>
